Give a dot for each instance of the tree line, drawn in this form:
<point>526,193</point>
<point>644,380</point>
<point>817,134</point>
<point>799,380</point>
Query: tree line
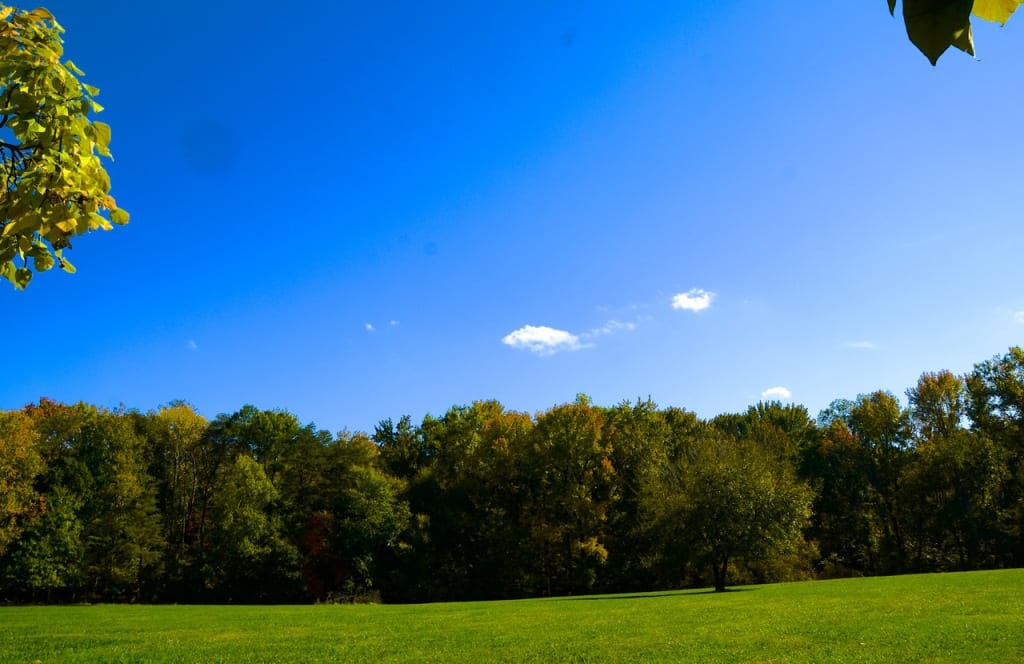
<point>484,503</point>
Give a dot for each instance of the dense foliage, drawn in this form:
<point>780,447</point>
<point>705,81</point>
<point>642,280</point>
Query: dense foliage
<point>486,503</point>
<point>54,184</point>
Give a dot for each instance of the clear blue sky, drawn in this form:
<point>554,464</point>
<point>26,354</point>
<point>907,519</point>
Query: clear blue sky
<point>354,210</point>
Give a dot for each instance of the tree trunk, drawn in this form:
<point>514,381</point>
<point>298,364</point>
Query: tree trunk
<point>718,570</point>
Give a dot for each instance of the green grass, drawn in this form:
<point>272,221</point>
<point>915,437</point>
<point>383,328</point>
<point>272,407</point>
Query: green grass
<point>973,617</point>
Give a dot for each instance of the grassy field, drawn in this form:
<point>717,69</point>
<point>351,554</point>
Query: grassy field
<point>974,617</point>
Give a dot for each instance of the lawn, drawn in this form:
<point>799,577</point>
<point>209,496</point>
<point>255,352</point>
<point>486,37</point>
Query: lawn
<point>971,617</point>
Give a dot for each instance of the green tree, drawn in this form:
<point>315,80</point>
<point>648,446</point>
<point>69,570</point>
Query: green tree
<point>995,399</point>
<point>177,459</point>
<point>47,558</point>
<point>571,489</point>
<point>732,501</point>
<point>468,534</point>
<point>249,559</point>
<point>640,436</point>
<point>401,446</point>
<point>956,480</point>
<point>20,464</point>
<point>837,467</point>
<point>101,532</point>
<point>995,403</point>
<point>884,434</point>
<point>938,405</point>
<point>367,514</point>
<point>781,429</point>
<point>120,523</point>
<point>55,185</point>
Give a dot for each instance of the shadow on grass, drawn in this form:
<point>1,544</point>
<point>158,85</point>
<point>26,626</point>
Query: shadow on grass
<point>675,593</point>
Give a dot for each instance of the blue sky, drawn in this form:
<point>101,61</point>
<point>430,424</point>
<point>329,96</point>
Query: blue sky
<point>362,210</point>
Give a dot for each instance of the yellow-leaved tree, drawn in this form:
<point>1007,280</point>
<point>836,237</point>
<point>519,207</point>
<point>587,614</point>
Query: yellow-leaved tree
<point>54,185</point>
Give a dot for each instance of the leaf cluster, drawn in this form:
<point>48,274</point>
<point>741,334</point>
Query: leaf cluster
<point>935,25</point>
<point>53,185</point>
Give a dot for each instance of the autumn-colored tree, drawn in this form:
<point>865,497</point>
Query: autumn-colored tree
<point>572,482</point>
<point>53,181</point>
<point>20,464</point>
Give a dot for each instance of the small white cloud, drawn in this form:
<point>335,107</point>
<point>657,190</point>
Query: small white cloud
<point>610,327</point>
<point>696,299</point>
<point>191,345</point>
<point>1019,317</point>
<point>392,323</point>
<point>862,345</point>
<point>369,327</point>
<point>776,393</point>
<point>542,339</point>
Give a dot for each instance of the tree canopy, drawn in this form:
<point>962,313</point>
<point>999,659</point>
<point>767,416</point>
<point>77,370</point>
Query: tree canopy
<point>935,25</point>
<point>488,503</point>
<point>54,184</point>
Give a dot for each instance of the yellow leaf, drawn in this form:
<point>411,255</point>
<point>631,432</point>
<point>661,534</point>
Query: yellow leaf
<point>997,11</point>
<point>40,14</point>
<point>71,65</point>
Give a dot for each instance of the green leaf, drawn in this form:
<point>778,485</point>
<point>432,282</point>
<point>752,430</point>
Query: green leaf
<point>98,221</point>
<point>7,271</point>
<point>119,216</point>
<point>892,7</point>
<point>71,65</point>
<point>965,41</point>
<point>935,25</point>
<point>91,90</point>
<point>40,14</point>
<point>42,261</point>
<point>22,276</point>
<point>102,130</point>
<point>66,265</point>
<point>997,11</point>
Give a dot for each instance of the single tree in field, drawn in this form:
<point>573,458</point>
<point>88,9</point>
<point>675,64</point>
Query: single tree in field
<point>731,500</point>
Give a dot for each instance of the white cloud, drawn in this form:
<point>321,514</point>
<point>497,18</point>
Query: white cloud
<point>191,345</point>
<point>392,323</point>
<point>1019,317</point>
<point>776,393</point>
<point>369,327</point>
<point>610,327</point>
<point>542,339</point>
<point>696,299</point>
<point>862,345</point>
